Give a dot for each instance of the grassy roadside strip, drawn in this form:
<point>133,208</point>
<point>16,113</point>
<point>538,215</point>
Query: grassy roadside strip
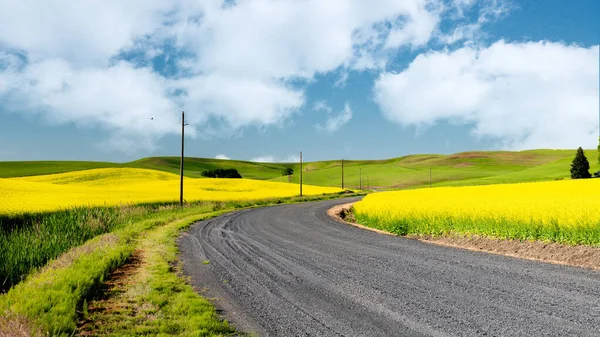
<point>48,301</point>
<point>50,298</point>
<point>156,301</point>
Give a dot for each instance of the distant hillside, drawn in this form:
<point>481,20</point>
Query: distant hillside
<point>33,168</point>
<point>467,168</point>
<point>194,166</point>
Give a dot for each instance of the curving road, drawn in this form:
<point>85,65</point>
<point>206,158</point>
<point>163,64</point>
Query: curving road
<point>291,270</point>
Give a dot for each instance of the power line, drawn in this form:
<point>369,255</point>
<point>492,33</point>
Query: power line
<point>183,125</point>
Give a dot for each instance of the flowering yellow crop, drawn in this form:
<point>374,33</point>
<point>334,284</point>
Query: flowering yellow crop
<point>115,186</point>
<point>563,211</point>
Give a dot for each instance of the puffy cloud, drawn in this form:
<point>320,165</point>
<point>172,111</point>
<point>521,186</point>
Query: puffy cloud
<point>222,156</point>
<point>528,95</point>
<point>230,63</point>
<point>296,39</point>
<point>84,33</point>
<point>263,159</point>
<point>490,11</point>
<point>239,101</point>
<point>417,29</point>
<point>120,98</point>
<point>335,122</point>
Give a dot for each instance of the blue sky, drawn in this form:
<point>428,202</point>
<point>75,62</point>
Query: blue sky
<point>263,80</point>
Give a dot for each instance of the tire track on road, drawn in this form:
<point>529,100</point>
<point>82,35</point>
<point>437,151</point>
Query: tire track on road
<point>291,270</point>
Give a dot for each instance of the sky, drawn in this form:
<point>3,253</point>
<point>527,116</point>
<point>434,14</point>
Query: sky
<point>263,80</point>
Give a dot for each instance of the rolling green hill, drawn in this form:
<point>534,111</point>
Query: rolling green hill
<point>467,168</point>
<point>194,166</point>
<point>33,168</point>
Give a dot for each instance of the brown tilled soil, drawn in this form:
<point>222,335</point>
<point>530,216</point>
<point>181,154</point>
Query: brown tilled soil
<point>417,159</point>
<point>109,300</point>
<point>469,155</point>
<point>579,256</point>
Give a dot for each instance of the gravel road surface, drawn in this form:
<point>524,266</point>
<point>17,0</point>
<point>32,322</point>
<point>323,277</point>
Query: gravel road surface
<point>290,270</point>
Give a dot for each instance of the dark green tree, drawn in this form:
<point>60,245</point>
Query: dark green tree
<point>221,173</point>
<point>580,168</point>
<point>287,172</point>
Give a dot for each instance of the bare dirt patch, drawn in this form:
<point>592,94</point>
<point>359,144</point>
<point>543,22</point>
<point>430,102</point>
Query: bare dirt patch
<point>342,213</point>
<point>416,159</point>
<point>108,300</point>
<point>579,256</point>
<point>12,325</point>
<point>469,155</point>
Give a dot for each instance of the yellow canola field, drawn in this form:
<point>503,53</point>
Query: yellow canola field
<point>564,211</point>
<point>114,186</point>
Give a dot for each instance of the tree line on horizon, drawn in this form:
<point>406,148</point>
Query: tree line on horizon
<point>221,173</point>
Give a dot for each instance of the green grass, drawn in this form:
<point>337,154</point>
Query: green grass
<point>29,241</point>
<point>10,169</point>
<point>155,300</point>
<point>53,298</point>
<point>468,168</point>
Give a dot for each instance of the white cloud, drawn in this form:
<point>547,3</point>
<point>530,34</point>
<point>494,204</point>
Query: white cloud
<point>84,33</point>
<point>60,58</point>
<point>222,156</point>
<point>321,106</point>
<point>120,98</point>
<point>263,159</point>
<point>291,159</point>
<point>335,122</point>
<point>528,95</point>
<point>418,28</point>
<point>273,159</point>
<point>240,101</point>
<point>461,5</point>
<point>233,61</point>
<point>490,11</point>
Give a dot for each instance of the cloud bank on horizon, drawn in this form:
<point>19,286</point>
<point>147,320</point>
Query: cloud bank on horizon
<point>116,64</point>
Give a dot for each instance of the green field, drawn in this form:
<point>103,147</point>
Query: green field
<point>193,167</point>
<point>467,168</point>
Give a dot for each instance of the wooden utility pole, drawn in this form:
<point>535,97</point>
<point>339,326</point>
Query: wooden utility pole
<point>342,173</point>
<point>300,173</point>
<point>360,179</point>
<point>181,163</point>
